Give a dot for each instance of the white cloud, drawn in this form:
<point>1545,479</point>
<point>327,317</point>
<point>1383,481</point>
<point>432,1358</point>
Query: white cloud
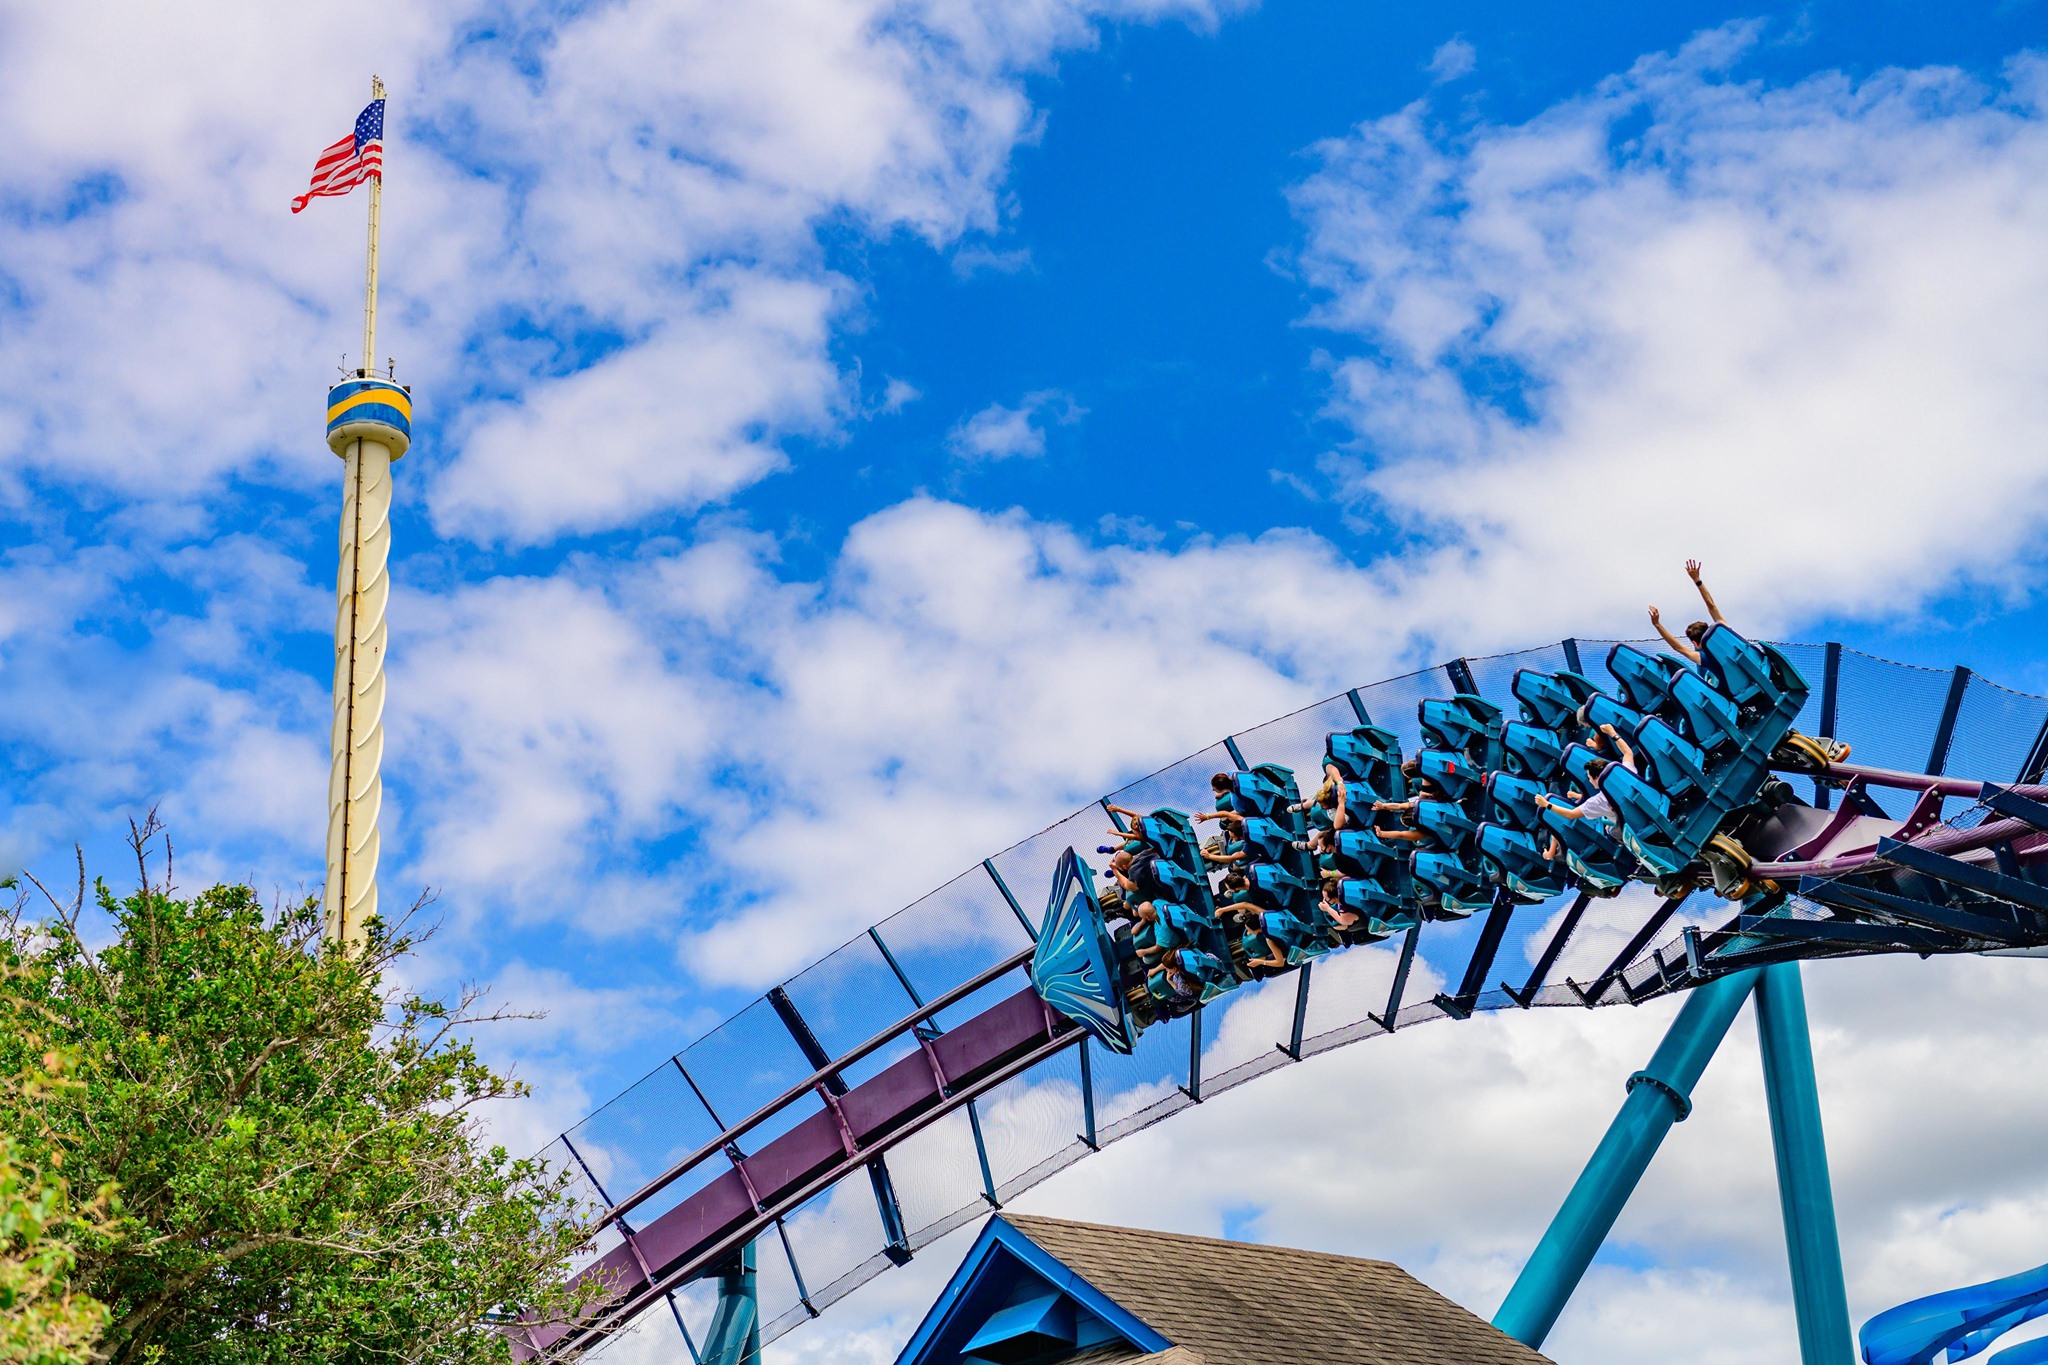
<point>898,394</point>
<point>932,699</point>
<point>683,418</point>
<point>999,433</point>
<point>1659,319</point>
<point>1453,60</point>
<point>107,716</point>
<point>616,258</point>
<point>970,261</point>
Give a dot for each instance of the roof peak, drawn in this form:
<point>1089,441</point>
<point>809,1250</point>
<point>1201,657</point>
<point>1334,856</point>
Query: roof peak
<point>1024,1222</point>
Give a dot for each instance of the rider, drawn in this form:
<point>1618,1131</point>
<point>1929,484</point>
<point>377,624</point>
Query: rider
<point>1697,631</point>
<point>1823,750</point>
<point>1595,807</point>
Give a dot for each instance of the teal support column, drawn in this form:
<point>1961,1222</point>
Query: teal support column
<point>735,1335</point>
<point>1658,1096</point>
<point>1804,1191</point>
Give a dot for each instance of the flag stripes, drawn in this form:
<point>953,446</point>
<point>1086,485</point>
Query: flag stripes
<point>350,161</point>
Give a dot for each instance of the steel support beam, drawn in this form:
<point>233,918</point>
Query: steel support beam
<point>1030,930</point>
<point>1391,1020</point>
<point>1364,717</point>
<point>735,1335</point>
<point>1956,872</point>
<point>988,1183</point>
<point>1571,655</point>
<point>886,1206</point>
<point>2010,803</point>
<point>1551,952</point>
<point>1495,928</point>
<point>1657,920</point>
<point>1851,934</point>
<point>626,1231</point>
<point>1941,918</point>
<point>1460,674</point>
<point>1087,1133</point>
<point>1292,1047</point>
<point>1658,1096</point>
<point>1804,1191</point>
<point>1830,690</point>
<point>2036,765</point>
<point>1945,733</point>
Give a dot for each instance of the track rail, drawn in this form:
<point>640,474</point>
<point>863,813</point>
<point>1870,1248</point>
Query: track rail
<point>810,1086</point>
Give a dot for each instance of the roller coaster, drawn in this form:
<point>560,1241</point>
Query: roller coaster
<point>1684,827</point>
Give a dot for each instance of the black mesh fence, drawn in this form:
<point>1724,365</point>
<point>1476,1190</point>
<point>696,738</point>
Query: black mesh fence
<point>1051,1115</point>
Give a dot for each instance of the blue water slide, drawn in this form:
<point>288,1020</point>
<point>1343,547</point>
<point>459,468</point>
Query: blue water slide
<point>1960,1323</point>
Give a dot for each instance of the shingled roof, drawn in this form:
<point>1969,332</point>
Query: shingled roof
<point>1240,1303</point>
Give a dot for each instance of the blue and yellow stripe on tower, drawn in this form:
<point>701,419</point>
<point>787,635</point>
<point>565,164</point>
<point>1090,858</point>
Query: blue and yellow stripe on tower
<point>372,410</point>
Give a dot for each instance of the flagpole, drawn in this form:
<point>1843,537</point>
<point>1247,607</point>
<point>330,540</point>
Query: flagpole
<point>369,425</point>
<point>370,269</point>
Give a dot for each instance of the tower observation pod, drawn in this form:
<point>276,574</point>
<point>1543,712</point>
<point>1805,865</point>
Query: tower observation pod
<point>369,425</point>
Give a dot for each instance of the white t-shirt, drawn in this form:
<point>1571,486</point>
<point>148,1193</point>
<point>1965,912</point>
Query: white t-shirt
<point>1598,807</point>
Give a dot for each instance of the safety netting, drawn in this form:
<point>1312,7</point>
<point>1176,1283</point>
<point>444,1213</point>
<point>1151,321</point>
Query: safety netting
<point>1010,1138</point>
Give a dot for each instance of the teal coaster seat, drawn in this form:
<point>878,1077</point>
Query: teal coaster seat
<point>1605,710</point>
<point>1302,938</point>
<point>1512,800</point>
<point>1712,720</point>
<point>1454,887</point>
<point>1577,759</point>
<point>1447,823</point>
<point>1672,765</point>
<point>1248,947</point>
<point>1276,888</point>
<point>1360,795</point>
<point>1362,853</point>
<point>1359,752</point>
<point>1375,897</point>
<point>1458,722</point>
<point>1645,679</point>
<point>1177,926</point>
<point>1452,771</point>
<point>1176,883</point>
<point>1546,700</point>
<point>1516,858</point>
<point>1173,834</point>
<point>1593,852</point>
<point>1268,841</point>
<point>1649,829</point>
<point>1753,676</point>
<point>1531,750</point>
<point>1257,793</point>
<point>1212,969</point>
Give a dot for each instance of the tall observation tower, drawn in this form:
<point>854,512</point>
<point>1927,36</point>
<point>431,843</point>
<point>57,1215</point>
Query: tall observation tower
<point>369,425</point>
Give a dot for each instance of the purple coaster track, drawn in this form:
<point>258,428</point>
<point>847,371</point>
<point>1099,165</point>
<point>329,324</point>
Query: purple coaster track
<point>792,1157</point>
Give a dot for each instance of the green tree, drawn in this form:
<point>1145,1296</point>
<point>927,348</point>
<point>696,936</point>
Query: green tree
<point>294,1140</point>
<point>44,1318</point>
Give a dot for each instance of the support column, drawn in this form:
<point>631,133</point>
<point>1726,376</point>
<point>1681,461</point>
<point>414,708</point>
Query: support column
<point>1804,1191</point>
<point>1658,1096</point>
<point>369,425</point>
<point>735,1335</point>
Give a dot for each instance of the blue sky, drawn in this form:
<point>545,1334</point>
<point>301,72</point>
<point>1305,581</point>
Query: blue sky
<point>854,434</point>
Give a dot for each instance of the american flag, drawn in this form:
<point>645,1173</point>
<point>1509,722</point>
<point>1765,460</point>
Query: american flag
<point>351,161</point>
